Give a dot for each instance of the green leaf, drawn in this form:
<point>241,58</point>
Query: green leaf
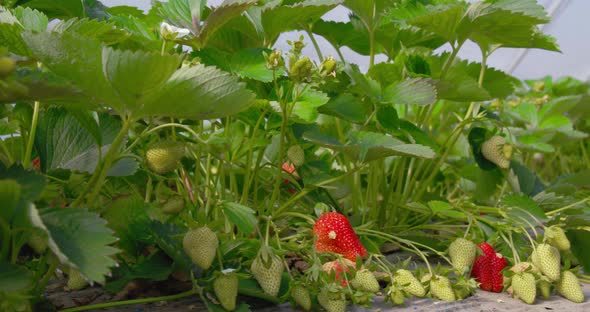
<point>10,195</point>
<point>509,23</point>
<point>78,60</point>
<point>198,92</point>
<point>164,236</point>
<point>580,240</point>
<point>220,16</point>
<point>32,20</point>
<point>367,146</point>
<point>64,142</point>
<point>31,184</point>
<point>276,19</point>
<point>524,202</point>
<point>155,267</point>
<point>346,106</point>
<point>343,34</point>
<point>136,75</point>
<point>417,91</point>
<point>58,9</point>
<point>179,12</point>
<point>251,63</point>
<point>241,216</point>
<point>305,109</point>
<point>442,20</point>
<point>79,239</point>
<point>369,11</point>
<point>90,28</point>
<point>14,278</point>
<point>528,182</point>
<point>10,36</point>
<point>388,118</point>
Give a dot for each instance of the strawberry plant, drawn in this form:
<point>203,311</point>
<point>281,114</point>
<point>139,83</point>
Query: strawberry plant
<point>179,146</point>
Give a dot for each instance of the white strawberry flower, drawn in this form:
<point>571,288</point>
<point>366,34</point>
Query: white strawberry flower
<point>170,32</point>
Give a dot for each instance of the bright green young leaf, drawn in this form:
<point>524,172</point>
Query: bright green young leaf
<point>241,216</point>
<point>79,239</point>
<point>370,11</point>
<point>135,75</point>
<point>198,92</point>
<point>416,91</point>
<point>386,73</point>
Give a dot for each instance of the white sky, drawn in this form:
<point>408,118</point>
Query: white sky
<point>570,25</point>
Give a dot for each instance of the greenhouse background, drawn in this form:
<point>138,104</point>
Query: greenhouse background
<point>569,25</point>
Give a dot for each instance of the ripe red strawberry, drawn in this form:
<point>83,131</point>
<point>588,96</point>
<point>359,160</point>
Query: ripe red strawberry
<point>335,234</point>
<point>482,273</point>
<point>488,267</point>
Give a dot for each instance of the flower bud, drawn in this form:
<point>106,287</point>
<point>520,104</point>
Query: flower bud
<point>275,59</point>
<point>328,67</point>
<point>301,69</point>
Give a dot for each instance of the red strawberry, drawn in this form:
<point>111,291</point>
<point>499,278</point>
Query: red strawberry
<point>488,267</point>
<point>335,234</point>
<point>482,273</point>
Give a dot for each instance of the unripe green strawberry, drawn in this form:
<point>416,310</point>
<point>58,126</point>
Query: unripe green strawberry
<point>548,260</point>
<point>201,246</point>
<point>268,273</point>
<point>409,283</point>
<point>225,287</point>
<point>396,295</point>
<point>365,280</point>
<point>163,156</point>
<point>493,150</point>
<point>462,253</point>
<point>296,155</point>
<point>331,302</point>
<point>556,237</point>
<point>75,280</point>
<point>524,287</point>
<point>569,287</point>
<point>544,288</point>
<point>301,297</point>
<point>441,288</point>
<point>173,205</point>
<point>38,242</point>
<point>7,66</point>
